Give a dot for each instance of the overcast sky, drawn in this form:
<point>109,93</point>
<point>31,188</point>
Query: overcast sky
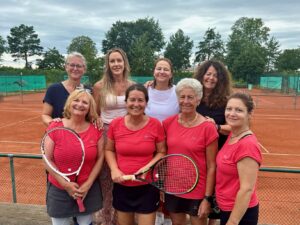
<point>57,22</point>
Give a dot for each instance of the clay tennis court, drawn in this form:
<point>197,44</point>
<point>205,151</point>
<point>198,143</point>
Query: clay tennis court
<point>275,122</point>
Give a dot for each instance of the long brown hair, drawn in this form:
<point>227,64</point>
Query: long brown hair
<point>220,94</point>
<point>108,79</point>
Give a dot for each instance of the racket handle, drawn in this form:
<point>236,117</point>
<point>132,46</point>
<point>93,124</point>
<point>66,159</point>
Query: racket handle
<point>80,205</point>
<point>129,177</point>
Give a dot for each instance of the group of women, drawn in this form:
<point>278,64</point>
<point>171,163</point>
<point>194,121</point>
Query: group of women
<point>140,124</point>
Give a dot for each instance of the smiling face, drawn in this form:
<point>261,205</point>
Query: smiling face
<point>236,114</point>
<point>210,78</point>
<point>116,64</point>
<point>162,72</point>
<point>188,100</point>
<point>80,105</point>
<point>75,68</point>
<point>136,103</point>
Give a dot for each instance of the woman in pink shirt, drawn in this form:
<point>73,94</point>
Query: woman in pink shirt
<point>192,134</point>
<point>134,143</point>
<point>237,165</point>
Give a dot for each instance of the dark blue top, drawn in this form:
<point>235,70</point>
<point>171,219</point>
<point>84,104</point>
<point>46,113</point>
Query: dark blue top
<point>56,96</point>
<point>218,114</point>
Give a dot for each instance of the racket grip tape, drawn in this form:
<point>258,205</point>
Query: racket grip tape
<point>80,205</point>
<point>129,177</point>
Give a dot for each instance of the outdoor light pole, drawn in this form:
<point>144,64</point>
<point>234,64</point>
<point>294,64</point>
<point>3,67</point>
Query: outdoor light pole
<point>21,85</point>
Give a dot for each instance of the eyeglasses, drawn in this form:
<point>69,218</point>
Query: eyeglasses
<point>72,65</point>
<point>81,89</point>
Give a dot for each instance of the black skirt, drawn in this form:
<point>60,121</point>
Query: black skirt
<point>60,204</point>
<point>139,199</point>
<point>176,204</point>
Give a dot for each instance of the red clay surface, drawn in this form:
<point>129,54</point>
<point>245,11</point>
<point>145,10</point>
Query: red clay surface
<point>276,123</point>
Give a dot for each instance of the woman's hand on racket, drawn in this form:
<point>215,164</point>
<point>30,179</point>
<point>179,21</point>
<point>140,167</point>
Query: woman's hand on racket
<point>84,189</point>
<point>117,176</point>
<point>72,188</point>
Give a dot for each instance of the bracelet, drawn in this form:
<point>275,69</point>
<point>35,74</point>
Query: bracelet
<point>218,127</point>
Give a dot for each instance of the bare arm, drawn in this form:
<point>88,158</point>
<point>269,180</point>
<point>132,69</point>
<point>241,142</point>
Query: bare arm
<point>211,152</point>
<point>96,94</point>
<point>47,114</point>
<point>110,157</point>
<point>247,170</point>
<point>225,129</point>
<point>84,188</point>
<point>222,129</point>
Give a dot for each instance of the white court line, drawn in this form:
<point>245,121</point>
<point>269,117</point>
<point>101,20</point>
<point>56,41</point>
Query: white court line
<point>280,154</point>
<point>263,148</point>
<point>284,167</point>
<point>22,153</point>
<point>21,121</point>
<point>20,142</point>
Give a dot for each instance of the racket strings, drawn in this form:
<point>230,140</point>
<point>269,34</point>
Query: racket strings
<point>175,174</point>
<point>63,150</point>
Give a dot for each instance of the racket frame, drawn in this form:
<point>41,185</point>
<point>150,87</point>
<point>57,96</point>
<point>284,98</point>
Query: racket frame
<point>65,175</point>
<point>151,169</point>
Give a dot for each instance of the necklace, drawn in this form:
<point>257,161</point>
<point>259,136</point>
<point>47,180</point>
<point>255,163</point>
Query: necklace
<point>239,134</point>
<point>188,123</point>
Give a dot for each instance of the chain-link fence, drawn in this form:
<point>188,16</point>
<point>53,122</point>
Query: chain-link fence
<point>23,180</point>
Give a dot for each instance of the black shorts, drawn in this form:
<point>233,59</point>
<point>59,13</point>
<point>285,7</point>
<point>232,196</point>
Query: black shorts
<point>60,204</point>
<point>250,217</point>
<point>139,199</point>
<point>175,204</point>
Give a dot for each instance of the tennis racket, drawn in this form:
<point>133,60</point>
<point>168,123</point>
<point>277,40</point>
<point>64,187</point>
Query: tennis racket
<point>172,174</point>
<point>63,152</point>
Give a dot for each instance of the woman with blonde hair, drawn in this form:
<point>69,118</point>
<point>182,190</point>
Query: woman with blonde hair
<point>109,94</point>
<point>79,112</point>
<point>57,94</point>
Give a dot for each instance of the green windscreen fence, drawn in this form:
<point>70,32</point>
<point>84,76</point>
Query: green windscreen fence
<point>15,83</point>
<point>271,82</point>
<point>280,82</point>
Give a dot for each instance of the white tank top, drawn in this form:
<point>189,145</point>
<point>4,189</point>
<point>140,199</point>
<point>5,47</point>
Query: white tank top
<point>162,103</point>
<point>115,107</point>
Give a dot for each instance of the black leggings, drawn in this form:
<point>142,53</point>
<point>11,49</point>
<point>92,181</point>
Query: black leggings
<point>250,217</point>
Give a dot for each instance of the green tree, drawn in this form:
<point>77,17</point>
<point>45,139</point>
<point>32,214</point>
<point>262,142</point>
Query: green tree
<point>2,46</point>
<point>52,60</point>
<point>125,34</point>
<point>87,47</point>
<point>24,42</point>
<point>248,39</point>
<point>273,51</point>
<point>179,50</point>
<point>142,56</point>
<point>289,60</point>
<point>211,47</point>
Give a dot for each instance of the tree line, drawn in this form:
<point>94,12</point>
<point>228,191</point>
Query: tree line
<point>249,52</point>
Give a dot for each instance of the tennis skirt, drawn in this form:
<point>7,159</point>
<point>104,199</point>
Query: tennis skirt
<point>60,204</point>
<point>175,204</point>
<point>139,199</point>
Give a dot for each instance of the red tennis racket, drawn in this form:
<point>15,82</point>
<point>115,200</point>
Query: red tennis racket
<point>63,152</point>
<point>172,174</point>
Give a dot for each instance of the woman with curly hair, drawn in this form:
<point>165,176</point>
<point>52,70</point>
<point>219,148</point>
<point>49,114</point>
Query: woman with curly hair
<point>216,81</point>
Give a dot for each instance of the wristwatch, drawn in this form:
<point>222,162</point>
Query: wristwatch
<point>208,198</point>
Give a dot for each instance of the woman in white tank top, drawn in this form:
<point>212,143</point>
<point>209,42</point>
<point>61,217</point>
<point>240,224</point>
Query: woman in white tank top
<point>162,104</point>
<point>162,97</point>
<point>109,94</point>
